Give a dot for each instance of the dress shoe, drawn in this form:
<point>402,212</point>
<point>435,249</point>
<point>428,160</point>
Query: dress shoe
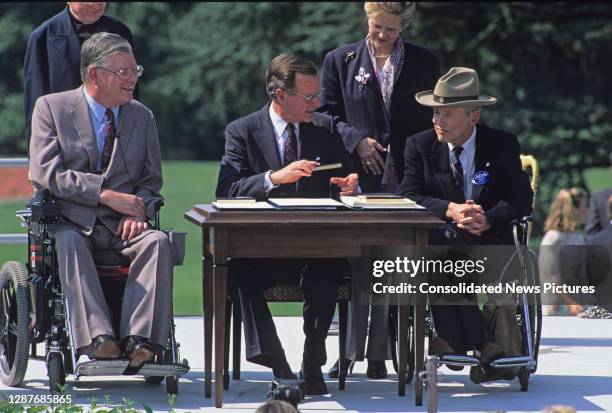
<point>479,374</point>
<point>490,351</point>
<point>105,347</point>
<point>376,369</point>
<point>440,347</point>
<point>313,384</point>
<point>137,350</point>
<point>334,372</point>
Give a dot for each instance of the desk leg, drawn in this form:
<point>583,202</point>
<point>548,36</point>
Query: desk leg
<point>220,281</point>
<point>208,306</point>
<point>403,320</point>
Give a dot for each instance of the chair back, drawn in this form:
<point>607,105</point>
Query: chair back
<point>530,166</point>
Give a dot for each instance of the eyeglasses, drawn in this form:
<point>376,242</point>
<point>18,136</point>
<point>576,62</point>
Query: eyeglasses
<point>125,74</point>
<point>310,97</point>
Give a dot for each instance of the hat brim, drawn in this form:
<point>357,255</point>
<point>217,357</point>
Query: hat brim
<point>426,99</point>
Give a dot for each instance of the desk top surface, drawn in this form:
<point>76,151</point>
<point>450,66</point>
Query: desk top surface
<point>206,215</point>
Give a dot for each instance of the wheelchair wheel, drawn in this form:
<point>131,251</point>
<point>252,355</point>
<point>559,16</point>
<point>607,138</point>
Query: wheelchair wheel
<point>14,323</point>
<point>56,373</point>
<point>535,311</point>
<point>394,331</point>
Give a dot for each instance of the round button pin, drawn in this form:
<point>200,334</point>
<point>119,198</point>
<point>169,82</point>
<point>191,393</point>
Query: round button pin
<point>480,178</point>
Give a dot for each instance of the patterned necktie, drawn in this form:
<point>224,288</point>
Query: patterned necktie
<point>290,149</point>
<point>110,132</point>
<point>457,168</point>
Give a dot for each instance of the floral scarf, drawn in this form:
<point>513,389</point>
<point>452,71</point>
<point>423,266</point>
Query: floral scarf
<point>386,79</point>
<point>390,72</point>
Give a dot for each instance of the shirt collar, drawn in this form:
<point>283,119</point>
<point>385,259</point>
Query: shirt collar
<point>280,124</point>
<point>97,109</point>
<point>469,145</point>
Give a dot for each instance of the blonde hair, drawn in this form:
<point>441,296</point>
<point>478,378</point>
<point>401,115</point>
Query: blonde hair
<point>403,9</point>
<point>559,408</point>
<point>561,215</point>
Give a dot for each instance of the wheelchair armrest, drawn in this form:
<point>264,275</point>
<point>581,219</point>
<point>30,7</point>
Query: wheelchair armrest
<point>43,209</point>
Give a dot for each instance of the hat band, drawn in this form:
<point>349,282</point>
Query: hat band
<point>442,99</point>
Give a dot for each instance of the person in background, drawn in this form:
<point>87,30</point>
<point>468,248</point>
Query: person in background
<point>52,59</point>
<point>597,218</point>
<point>369,87</point>
<point>561,257</point>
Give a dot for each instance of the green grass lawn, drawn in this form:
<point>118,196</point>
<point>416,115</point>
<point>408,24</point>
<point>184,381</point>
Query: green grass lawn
<point>187,183</point>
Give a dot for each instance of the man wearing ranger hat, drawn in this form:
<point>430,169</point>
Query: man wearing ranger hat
<point>471,177</point>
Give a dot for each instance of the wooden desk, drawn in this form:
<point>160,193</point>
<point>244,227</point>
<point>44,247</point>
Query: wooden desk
<point>294,234</point>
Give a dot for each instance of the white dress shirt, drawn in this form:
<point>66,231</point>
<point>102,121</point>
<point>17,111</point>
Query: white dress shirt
<point>467,159</point>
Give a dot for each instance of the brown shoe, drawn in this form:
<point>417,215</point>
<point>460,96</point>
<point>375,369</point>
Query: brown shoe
<point>440,347</point>
<point>105,347</point>
<point>490,351</point>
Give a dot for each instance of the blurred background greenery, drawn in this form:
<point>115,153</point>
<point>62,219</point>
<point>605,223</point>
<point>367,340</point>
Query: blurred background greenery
<point>547,63</point>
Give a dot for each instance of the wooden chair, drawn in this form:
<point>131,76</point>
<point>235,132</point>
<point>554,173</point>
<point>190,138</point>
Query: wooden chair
<point>282,294</point>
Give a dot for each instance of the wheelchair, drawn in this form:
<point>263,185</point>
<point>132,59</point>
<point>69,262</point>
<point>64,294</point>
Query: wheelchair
<point>34,310</point>
<point>528,305</point>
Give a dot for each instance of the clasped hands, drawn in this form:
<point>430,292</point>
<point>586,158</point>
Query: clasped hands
<point>299,169</point>
<point>133,209</point>
<point>469,216</point>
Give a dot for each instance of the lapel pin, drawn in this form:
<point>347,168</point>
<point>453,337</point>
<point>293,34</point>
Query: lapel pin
<point>488,164</point>
<point>480,178</point>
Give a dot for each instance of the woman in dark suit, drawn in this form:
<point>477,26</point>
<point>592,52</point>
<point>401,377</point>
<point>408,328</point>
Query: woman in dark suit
<point>369,88</point>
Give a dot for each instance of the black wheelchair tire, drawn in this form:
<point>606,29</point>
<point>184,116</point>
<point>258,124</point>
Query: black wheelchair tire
<point>56,373</point>
<point>14,336</point>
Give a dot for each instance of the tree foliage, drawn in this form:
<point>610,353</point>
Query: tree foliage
<point>547,63</point>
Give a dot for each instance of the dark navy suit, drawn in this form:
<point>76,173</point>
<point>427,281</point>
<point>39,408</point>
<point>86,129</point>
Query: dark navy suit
<point>250,151</point>
<point>53,58</point>
<point>505,196</point>
<point>360,113</point>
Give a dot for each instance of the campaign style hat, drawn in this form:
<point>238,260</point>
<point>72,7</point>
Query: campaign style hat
<point>459,87</point>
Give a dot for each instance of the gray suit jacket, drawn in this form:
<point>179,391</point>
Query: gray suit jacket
<point>64,157</point>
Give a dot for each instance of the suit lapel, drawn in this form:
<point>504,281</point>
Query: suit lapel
<point>124,136</point>
<point>82,124</point>
<point>372,85</point>
<point>266,138</point>
<point>65,40</point>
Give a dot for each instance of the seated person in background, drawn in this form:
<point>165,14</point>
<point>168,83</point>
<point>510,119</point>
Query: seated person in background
<point>561,257</point>
<point>272,153</point>
<point>96,150</point>
<point>471,177</point>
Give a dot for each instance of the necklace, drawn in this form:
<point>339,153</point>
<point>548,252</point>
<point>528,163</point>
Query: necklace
<point>382,56</point>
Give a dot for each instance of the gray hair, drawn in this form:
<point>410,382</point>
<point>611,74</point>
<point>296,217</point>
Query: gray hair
<point>404,9</point>
<point>96,50</point>
<point>281,72</point>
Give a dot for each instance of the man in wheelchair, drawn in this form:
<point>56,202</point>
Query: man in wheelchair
<point>96,151</point>
<point>471,177</point>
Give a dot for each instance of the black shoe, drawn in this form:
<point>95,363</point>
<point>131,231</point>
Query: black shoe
<point>334,372</point>
<point>137,349</point>
<point>377,369</point>
<point>283,371</point>
<point>313,384</point>
<point>479,374</point>
<point>105,347</point>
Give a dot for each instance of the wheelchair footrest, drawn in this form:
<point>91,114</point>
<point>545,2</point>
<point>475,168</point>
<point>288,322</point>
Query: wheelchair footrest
<point>117,367</point>
<point>517,361</point>
<point>459,360</point>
